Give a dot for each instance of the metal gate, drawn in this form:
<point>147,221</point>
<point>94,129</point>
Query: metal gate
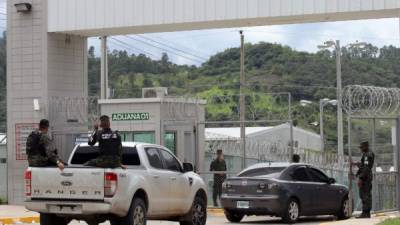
<point>71,118</point>
<point>373,115</point>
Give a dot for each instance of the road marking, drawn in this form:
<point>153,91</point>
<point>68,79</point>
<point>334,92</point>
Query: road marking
<point>31,219</point>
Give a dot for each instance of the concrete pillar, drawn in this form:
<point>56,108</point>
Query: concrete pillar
<point>397,164</point>
<point>104,88</point>
<point>40,65</point>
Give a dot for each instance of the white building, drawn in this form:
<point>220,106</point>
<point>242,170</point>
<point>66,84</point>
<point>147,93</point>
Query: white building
<point>262,144</point>
<point>274,135</point>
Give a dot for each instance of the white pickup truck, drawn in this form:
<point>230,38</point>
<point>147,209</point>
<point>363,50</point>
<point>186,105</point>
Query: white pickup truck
<point>155,185</point>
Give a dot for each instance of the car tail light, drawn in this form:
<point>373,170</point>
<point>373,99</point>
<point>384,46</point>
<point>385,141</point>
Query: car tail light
<point>110,184</point>
<point>273,186</point>
<point>28,183</point>
<point>262,186</point>
<point>227,185</point>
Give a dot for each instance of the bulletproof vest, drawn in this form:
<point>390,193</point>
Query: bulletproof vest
<point>109,142</point>
<point>33,146</point>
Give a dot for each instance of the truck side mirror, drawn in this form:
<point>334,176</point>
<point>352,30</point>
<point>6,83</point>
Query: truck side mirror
<point>188,167</point>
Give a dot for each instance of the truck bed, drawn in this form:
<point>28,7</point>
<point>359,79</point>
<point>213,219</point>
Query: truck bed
<point>74,183</point>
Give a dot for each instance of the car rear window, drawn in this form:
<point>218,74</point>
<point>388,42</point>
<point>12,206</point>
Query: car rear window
<point>264,171</point>
<point>83,154</point>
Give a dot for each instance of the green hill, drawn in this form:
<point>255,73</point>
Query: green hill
<point>269,68</point>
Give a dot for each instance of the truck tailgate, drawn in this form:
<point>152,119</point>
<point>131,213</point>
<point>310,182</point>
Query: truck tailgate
<point>72,183</point>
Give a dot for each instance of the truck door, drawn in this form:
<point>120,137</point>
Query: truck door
<point>160,183</point>
<point>180,184</point>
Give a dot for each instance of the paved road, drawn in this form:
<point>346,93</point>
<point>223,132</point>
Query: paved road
<point>220,220</point>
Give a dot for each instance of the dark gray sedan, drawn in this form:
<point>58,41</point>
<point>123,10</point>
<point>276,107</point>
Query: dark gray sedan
<point>283,190</point>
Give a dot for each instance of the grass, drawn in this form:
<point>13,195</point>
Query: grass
<point>391,222</point>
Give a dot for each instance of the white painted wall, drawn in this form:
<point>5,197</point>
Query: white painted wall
<point>39,65</point>
<point>98,17</point>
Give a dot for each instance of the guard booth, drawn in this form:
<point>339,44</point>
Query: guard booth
<point>160,119</point>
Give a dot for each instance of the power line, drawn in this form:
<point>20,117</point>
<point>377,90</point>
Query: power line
<point>171,47</point>
<point>207,55</point>
<point>166,50</point>
<point>132,47</point>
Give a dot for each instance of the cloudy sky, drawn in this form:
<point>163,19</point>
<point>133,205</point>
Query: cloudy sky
<point>193,47</point>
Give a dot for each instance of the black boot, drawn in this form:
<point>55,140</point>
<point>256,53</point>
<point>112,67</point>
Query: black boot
<point>364,215</point>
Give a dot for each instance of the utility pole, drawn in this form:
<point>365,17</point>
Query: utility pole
<point>104,92</point>
<point>339,103</point>
<point>321,125</point>
<point>242,102</point>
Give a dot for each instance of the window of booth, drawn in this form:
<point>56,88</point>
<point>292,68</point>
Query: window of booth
<point>170,141</point>
<point>139,136</point>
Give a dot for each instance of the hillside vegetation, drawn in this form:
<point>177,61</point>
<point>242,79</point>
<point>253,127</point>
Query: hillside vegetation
<point>269,68</point>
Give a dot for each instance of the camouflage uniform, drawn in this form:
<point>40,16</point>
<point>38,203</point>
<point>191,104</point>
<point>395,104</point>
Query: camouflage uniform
<point>40,150</point>
<point>110,149</point>
<point>365,176</point>
<point>216,166</point>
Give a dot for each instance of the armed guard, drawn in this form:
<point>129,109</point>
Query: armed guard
<point>40,150</point>
<point>110,145</point>
<point>218,165</point>
<point>365,177</point>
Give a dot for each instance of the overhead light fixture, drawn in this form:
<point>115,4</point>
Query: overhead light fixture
<point>23,7</point>
<point>36,105</point>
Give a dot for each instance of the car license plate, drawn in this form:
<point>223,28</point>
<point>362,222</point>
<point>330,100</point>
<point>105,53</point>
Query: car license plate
<point>243,204</point>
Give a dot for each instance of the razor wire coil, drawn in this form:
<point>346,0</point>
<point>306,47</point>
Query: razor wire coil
<point>371,101</point>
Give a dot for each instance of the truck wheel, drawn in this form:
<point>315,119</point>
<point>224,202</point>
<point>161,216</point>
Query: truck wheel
<point>51,219</point>
<point>233,217</point>
<point>197,214</point>
<point>137,214</point>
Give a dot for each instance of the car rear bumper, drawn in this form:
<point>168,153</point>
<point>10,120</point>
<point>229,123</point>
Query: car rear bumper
<point>68,208</point>
<point>260,205</point>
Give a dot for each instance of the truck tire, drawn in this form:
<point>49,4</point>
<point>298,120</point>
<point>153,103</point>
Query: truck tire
<point>197,214</point>
<point>137,214</point>
<point>51,219</point>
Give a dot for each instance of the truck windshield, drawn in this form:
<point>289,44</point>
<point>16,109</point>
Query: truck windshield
<point>264,171</point>
<point>83,154</point>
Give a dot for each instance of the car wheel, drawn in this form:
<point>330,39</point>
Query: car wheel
<point>233,217</point>
<point>344,210</point>
<point>51,219</point>
<point>137,214</point>
<point>292,211</point>
<point>197,214</point>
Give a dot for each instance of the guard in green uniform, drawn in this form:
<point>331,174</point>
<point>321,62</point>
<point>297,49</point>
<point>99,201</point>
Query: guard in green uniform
<point>365,177</point>
<point>40,150</point>
<point>218,165</point>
